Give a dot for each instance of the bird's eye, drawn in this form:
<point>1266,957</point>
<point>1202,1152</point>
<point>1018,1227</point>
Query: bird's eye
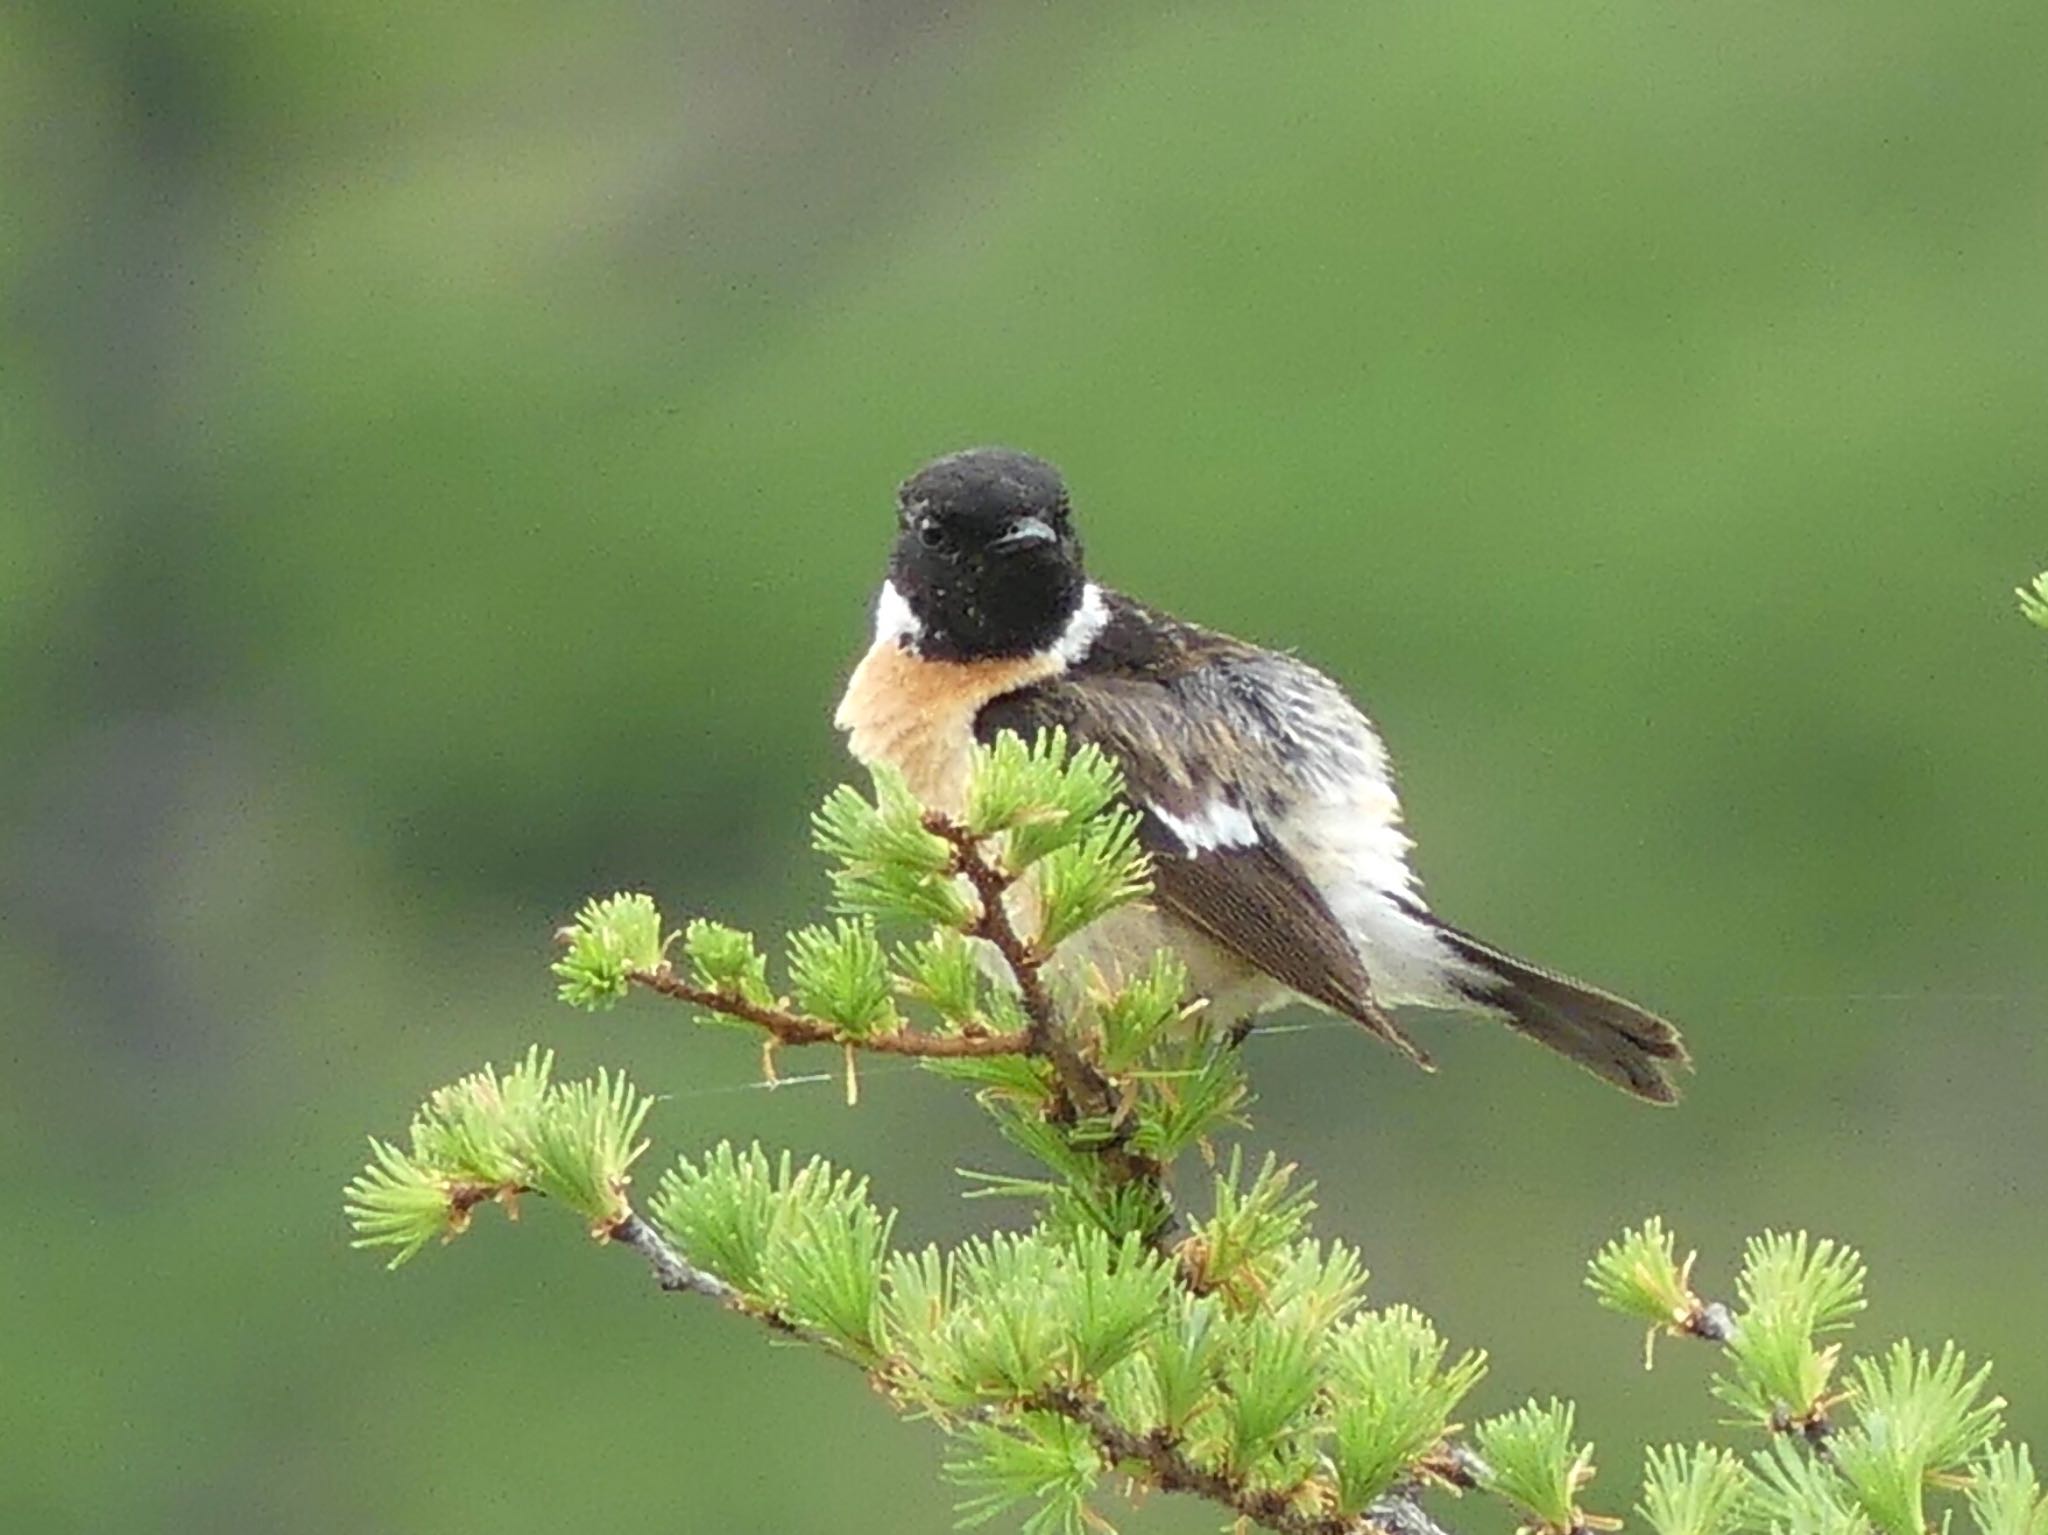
<point>930,534</point>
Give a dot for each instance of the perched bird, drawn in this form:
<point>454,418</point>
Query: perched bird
<point>1280,870</point>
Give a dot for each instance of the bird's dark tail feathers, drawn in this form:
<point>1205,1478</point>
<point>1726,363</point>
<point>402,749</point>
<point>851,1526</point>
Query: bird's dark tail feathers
<point>1612,1038</point>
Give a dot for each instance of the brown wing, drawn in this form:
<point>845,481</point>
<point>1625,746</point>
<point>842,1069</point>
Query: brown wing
<point>1237,886</point>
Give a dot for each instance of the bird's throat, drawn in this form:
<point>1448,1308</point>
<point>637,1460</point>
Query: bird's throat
<point>917,715</point>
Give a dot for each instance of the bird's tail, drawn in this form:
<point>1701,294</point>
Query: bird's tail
<point>1612,1038</point>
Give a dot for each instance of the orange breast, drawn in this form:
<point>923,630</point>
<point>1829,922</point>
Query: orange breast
<point>918,715</point>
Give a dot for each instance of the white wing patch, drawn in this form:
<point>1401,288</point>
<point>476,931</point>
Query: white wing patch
<point>1217,825</point>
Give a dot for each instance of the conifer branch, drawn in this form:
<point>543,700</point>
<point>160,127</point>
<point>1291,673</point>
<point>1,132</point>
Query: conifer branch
<point>672,1271</point>
<point>1153,1459</point>
<point>1031,808</point>
<point>1159,1462</point>
<point>1083,1091</point>
<point>791,1028</point>
<point>1083,1084</point>
<point>1233,1359</point>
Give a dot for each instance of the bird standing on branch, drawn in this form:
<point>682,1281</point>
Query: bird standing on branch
<point>1265,797</point>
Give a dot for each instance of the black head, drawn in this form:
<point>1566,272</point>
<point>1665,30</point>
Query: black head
<point>986,556</point>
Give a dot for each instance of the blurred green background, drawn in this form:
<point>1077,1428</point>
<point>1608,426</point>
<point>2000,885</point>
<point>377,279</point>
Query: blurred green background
<point>445,457</point>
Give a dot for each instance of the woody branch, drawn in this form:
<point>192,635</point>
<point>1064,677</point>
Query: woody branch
<point>1153,1460</point>
<point>1081,1091</point>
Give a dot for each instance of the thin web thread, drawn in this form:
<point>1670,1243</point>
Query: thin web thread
<point>1271,1031</point>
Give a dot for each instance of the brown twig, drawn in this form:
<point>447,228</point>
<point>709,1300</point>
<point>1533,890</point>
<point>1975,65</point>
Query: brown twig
<point>795,1029</point>
<point>1161,1463</point>
<point>1026,964</point>
<point>1082,1091</point>
<point>1085,1088</point>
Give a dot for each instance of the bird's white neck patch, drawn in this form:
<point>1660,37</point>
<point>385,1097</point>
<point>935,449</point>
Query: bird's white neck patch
<point>896,623</point>
<point>894,620</point>
<point>1088,622</point>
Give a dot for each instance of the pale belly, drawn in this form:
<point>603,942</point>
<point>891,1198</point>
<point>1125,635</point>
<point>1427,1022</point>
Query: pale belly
<point>1122,944</point>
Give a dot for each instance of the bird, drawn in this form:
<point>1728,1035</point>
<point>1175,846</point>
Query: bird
<point>1264,796</point>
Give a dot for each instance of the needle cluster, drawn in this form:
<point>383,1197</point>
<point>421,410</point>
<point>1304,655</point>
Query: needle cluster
<point>1855,1447</point>
<point>2034,599</point>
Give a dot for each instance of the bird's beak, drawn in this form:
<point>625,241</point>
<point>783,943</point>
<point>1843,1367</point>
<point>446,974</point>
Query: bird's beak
<point>1025,533</point>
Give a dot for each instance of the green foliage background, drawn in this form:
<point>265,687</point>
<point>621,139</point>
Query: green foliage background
<point>445,455</point>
